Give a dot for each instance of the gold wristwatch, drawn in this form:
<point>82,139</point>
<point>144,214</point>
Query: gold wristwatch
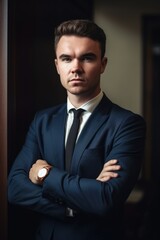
<point>42,173</point>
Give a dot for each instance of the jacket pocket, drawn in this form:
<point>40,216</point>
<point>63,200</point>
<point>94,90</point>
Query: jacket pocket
<point>92,162</point>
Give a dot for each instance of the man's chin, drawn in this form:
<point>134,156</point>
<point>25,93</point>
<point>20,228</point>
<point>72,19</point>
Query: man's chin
<point>77,91</point>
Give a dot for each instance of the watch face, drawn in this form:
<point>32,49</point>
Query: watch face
<point>42,172</point>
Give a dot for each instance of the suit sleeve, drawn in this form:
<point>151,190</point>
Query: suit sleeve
<point>21,191</point>
<point>95,197</point>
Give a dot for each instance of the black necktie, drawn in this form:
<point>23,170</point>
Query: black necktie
<point>72,136</point>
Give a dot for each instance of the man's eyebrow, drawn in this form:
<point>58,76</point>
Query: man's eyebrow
<point>63,56</point>
<point>89,54</point>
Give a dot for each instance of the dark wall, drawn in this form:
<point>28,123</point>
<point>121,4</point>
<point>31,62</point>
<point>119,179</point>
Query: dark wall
<point>3,120</point>
<point>33,83</point>
<point>151,84</point>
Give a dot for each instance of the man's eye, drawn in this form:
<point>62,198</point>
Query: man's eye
<point>66,59</point>
<point>88,58</point>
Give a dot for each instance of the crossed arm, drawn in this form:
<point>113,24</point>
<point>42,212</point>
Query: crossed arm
<point>106,174</point>
<point>77,192</point>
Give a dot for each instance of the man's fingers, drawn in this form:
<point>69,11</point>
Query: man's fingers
<point>111,162</point>
<point>104,179</point>
<point>111,168</point>
<point>105,176</point>
<point>108,170</point>
<point>109,174</point>
<point>41,161</point>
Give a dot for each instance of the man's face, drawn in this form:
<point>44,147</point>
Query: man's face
<point>79,64</point>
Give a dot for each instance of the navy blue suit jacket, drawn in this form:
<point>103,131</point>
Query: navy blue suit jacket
<point>110,133</point>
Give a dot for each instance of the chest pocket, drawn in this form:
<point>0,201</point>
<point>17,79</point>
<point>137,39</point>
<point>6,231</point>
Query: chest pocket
<point>91,162</point>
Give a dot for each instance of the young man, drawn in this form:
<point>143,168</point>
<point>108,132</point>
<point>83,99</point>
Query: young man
<point>85,200</point>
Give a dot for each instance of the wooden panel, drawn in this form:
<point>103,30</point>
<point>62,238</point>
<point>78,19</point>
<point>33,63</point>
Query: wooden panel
<point>151,42</point>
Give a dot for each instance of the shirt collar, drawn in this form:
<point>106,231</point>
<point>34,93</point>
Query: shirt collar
<point>88,106</point>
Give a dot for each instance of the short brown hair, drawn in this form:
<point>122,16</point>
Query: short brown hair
<point>82,28</point>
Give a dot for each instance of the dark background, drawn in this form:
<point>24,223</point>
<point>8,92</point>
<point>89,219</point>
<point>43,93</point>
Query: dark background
<point>33,83</point>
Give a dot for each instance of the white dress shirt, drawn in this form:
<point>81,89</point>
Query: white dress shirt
<point>88,107</point>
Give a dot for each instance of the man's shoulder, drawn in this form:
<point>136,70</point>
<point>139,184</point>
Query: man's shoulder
<point>51,111</point>
<point>121,115</point>
<point>118,112</point>
<point>121,111</point>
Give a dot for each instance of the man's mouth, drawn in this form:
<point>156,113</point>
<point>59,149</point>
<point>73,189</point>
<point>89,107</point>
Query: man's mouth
<point>76,80</point>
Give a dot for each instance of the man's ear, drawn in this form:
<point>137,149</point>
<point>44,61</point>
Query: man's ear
<point>104,64</point>
<point>56,64</point>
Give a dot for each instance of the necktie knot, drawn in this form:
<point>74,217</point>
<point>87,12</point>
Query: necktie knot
<point>78,112</point>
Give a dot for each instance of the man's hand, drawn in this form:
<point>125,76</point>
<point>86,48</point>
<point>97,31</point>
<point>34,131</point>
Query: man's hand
<point>33,173</point>
<point>108,171</point>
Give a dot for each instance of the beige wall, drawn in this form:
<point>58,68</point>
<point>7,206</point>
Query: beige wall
<point>121,20</point>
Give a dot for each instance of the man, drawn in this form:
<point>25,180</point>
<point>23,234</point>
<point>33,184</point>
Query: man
<point>84,200</point>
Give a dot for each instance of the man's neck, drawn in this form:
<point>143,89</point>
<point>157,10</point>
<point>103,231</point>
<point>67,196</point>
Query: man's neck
<point>79,100</point>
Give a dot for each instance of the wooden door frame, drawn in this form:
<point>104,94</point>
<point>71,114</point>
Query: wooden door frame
<point>149,22</point>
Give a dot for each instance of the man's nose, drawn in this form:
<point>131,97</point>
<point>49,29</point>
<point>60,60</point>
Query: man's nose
<point>76,67</point>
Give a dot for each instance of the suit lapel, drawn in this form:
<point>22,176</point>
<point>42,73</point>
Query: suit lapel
<point>58,136</point>
<point>94,123</point>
